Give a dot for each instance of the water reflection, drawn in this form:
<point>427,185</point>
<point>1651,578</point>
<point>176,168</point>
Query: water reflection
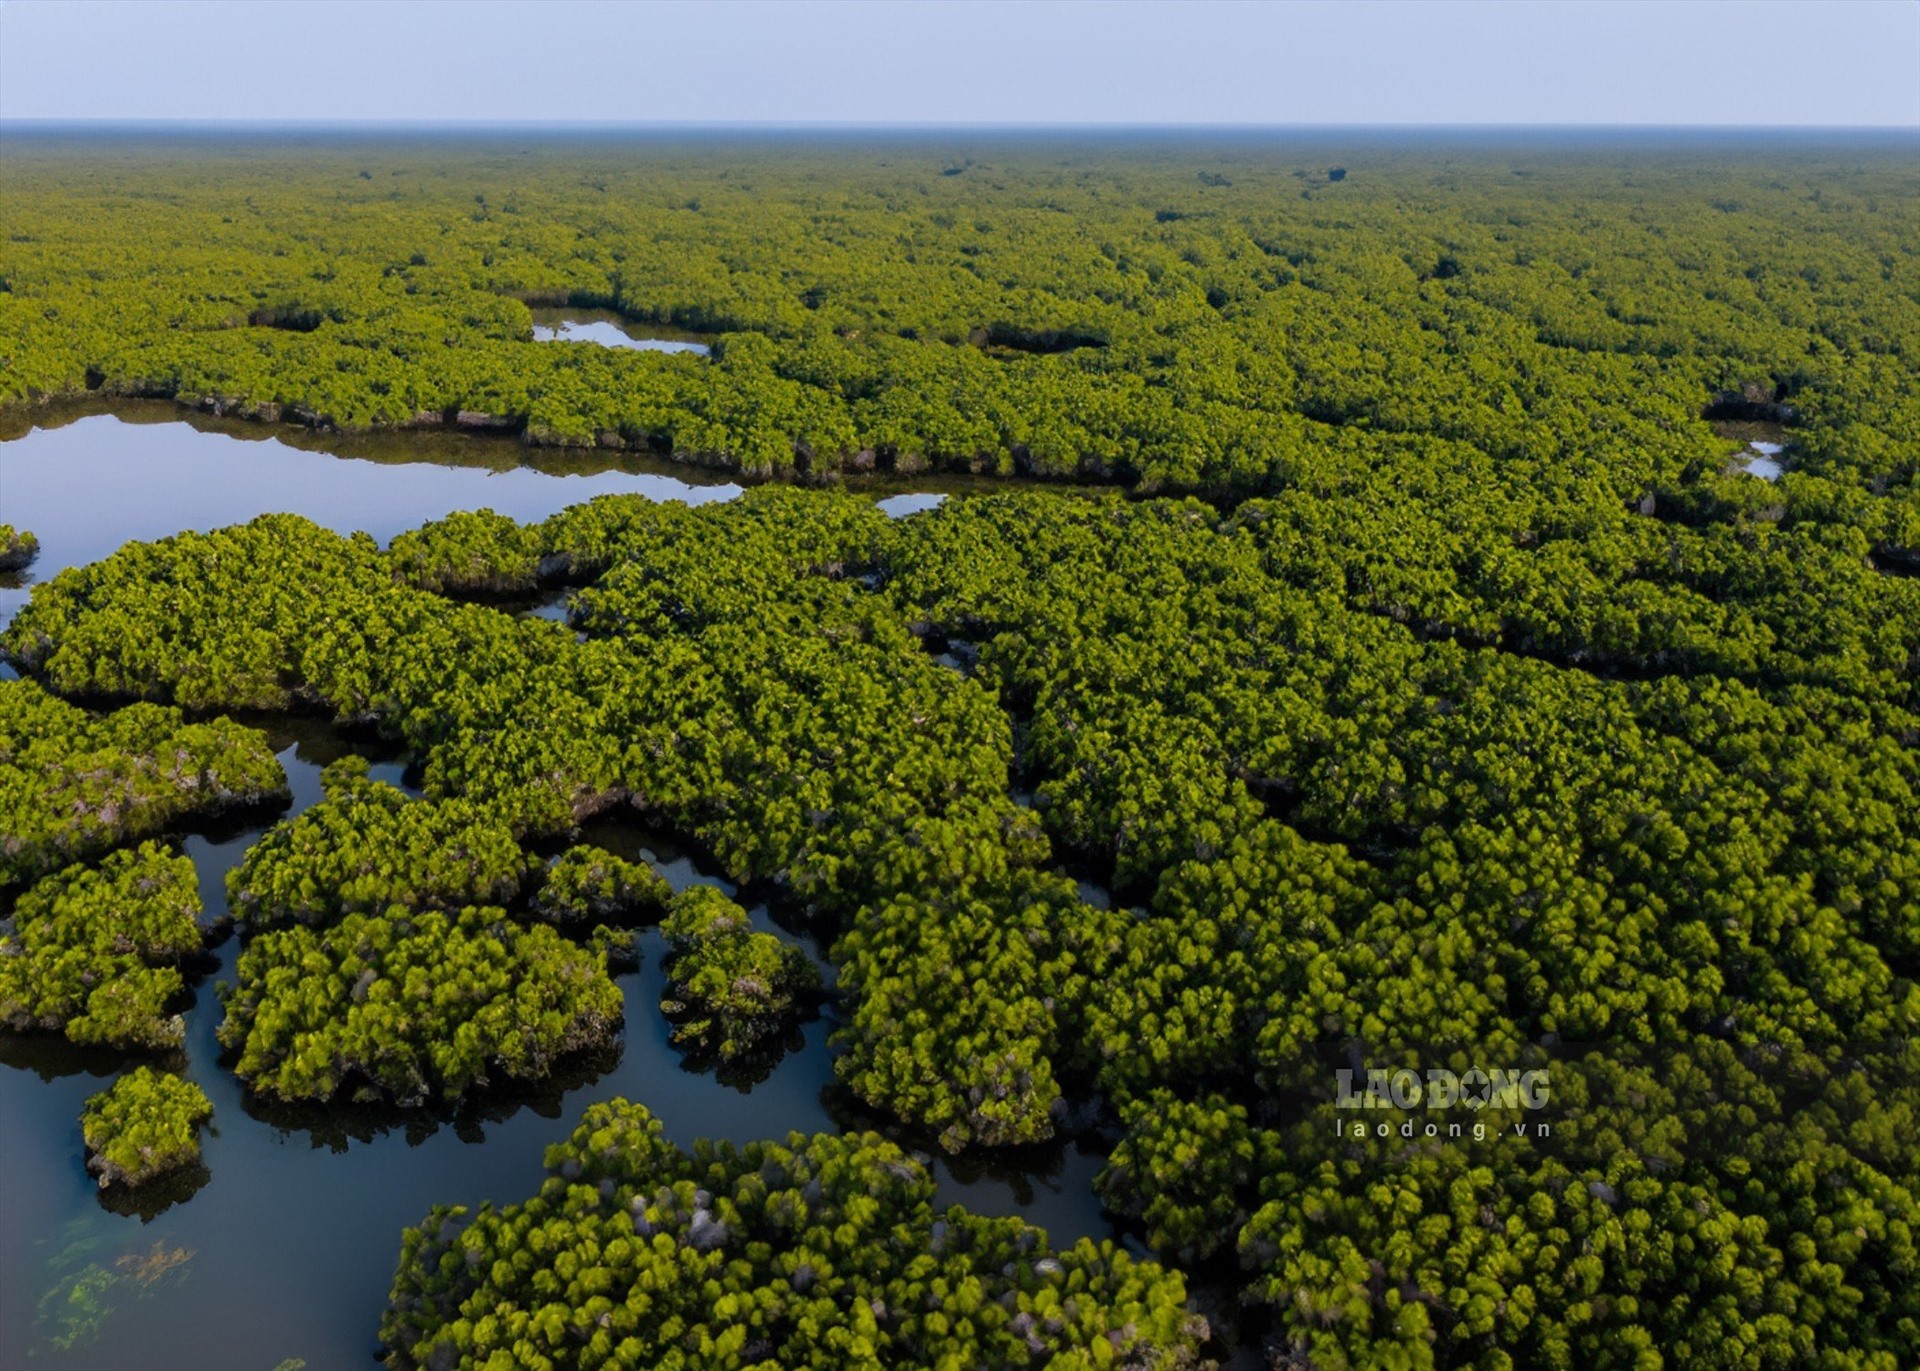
<point>88,478</point>
<point>900,506</point>
<point>1765,461</point>
<point>100,481</point>
<point>609,330</point>
<point>293,1226</point>
<point>299,1219</point>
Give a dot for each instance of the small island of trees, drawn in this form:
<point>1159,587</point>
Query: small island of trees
<point>146,1126</point>
<point>1358,649</point>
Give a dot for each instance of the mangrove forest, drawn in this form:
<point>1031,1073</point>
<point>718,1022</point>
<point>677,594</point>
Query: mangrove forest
<point>1346,739</point>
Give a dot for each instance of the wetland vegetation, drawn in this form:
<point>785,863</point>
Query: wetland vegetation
<point>18,548</point>
<point>1395,667</point>
<point>96,953</point>
<point>147,1125</point>
<point>732,987</point>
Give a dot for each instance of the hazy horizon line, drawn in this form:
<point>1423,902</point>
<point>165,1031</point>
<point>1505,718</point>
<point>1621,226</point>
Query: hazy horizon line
<point>37,121</point>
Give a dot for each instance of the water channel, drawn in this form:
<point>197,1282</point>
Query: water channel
<point>286,1249</point>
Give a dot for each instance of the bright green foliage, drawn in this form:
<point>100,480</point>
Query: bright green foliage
<point>1184,1169</point>
<point>74,784</point>
<point>1532,822</point>
<point>280,610</point>
<point>731,988</point>
<point>469,553</point>
<point>1481,710</point>
<point>412,1007</point>
<point>588,885</point>
<point>962,1001</point>
<point>1184,314</point>
<point>1189,710</point>
<point>18,548</point>
<point>1691,1208</point>
<point>145,1126</point>
<point>366,846</point>
<point>95,952</point>
<point>821,1252</point>
<point>203,620</point>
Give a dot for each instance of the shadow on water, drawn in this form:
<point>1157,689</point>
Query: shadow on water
<point>87,477</point>
<point>156,1197</point>
<point>94,477</point>
<point>52,1058</point>
<point>446,447</point>
<point>284,1245</point>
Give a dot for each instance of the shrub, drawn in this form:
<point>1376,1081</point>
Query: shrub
<point>96,952</point>
<point>146,1125</point>
<point>731,989</point>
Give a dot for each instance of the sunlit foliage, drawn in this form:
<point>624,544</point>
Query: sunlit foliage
<point>73,784</point>
<point>819,1252</point>
<point>96,952</point>
<point>145,1126</point>
<point>1479,711</point>
<point>18,548</point>
<point>412,1006</point>
<point>588,885</point>
<point>731,987</point>
<point>365,847</point>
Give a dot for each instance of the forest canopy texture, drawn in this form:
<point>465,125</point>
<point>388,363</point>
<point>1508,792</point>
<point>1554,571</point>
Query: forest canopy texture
<point>1434,692</point>
<point>1177,311</point>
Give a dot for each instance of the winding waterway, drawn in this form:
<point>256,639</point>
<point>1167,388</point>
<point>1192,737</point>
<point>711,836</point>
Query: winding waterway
<point>287,1248</point>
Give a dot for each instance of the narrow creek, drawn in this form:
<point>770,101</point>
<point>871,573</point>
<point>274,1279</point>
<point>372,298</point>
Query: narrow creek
<point>287,1248</point>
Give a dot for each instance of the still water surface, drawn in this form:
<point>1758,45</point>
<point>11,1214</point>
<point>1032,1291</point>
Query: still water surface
<point>89,486</point>
<point>609,330</point>
<point>1764,461</point>
<point>289,1244</point>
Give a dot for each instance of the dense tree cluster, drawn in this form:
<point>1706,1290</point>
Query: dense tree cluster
<point>73,784</point>
<point>1703,1206</point>
<point>1186,315</point>
<point>474,552</point>
<point>366,847</point>
<point>268,615</point>
<point>820,1252</point>
<point>588,885</point>
<point>18,548</point>
<point>412,1006</point>
<point>145,1126</point>
<point>1343,826</point>
<point>96,952</point>
<point>1480,715</point>
<point>1325,820</point>
<point>399,978</point>
<point>1182,1169</point>
<point>731,988</point>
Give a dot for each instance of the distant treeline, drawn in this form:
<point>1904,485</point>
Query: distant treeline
<point>1479,717</point>
<point>1174,312</point>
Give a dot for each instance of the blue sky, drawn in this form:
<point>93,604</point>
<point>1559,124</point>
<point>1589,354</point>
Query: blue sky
<point>1739,62</point>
